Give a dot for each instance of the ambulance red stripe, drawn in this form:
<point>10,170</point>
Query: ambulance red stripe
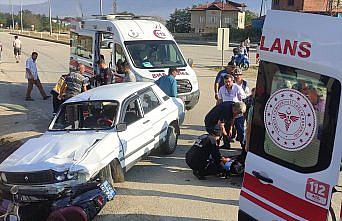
<point>267,207</point>
<point>284,200</point>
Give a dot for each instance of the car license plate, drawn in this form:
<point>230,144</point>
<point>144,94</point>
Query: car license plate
<point>108,190</point>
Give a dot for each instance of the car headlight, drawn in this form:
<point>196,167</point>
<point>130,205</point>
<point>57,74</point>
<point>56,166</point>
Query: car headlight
<point>61,176</point>
<point>72,175</point>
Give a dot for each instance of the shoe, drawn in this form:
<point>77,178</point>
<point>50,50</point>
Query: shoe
<point>197,174</point>
<point>46,97</point>
<point>29,99</point>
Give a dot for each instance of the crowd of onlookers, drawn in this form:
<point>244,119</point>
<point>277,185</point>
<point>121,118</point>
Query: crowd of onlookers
<point>225,123</point>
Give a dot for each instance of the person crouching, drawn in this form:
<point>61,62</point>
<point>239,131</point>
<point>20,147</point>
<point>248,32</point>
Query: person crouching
<point>204,157</point>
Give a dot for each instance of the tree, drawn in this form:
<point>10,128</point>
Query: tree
<point>249,16</point>
<point>180,21</point>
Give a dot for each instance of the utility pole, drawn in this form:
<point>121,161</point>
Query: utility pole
<point>21,16</point>
<point>50,17</point>
<point>101,8</point>
<point>115,9</point>
<point>12,15</point>
<point>221,14</point>
<point>262,5</point>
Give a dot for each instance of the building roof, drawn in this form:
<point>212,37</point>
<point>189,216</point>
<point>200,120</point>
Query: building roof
<point>118,92</point>
<point>228,6</point>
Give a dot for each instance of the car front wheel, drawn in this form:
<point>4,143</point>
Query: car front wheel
<point>117,172</point>
<point>170,144</point>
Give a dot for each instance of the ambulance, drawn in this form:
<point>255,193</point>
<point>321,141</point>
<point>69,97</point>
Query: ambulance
<point>147,46</point>
<point>295,146</point>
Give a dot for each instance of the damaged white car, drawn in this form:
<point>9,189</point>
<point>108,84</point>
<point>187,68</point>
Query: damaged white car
<point>98,134</point>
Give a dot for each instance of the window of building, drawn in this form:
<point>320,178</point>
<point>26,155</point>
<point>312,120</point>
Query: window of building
<point>290,2</point>
<point>275,2</point>
<point>228,20</point>
<point>202,19</point>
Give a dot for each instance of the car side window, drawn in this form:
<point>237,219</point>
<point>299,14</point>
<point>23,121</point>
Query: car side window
<point>132,112</point>
<point>149,101</point>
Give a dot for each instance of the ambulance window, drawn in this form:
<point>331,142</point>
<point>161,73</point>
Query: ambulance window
<point>119,54</point>
<point>290,126</point>
<point>84,47</point>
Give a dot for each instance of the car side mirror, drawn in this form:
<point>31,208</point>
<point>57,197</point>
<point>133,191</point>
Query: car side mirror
<point>190,62</point>
<point>121,127</point>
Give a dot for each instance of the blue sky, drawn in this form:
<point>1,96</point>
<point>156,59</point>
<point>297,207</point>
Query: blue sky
<point>161,8</point>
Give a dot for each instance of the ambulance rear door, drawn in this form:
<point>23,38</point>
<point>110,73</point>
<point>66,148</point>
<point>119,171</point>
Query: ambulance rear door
<point>295,143</point>
<point>84,49</point>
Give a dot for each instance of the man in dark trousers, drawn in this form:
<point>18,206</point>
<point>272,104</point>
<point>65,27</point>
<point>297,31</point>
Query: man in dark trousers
<point>204,157</point>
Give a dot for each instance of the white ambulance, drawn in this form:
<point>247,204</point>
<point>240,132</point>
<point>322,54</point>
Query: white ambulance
<point>295,147</point>
<point>146,45</point>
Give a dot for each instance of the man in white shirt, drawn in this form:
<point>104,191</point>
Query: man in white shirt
<point>32,77</point>
<point>17,48</point>
<point>230,91</point>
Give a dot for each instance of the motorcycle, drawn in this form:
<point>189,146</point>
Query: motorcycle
<point>80,203</point>
<point>240,60</point>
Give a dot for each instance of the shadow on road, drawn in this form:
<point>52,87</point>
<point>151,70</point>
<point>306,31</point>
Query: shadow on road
<point>172,169</point>
<point>146,217</point>
<point>138,192</point>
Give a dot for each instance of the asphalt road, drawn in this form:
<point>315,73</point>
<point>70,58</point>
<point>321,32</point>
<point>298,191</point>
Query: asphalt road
<point>158,187</point>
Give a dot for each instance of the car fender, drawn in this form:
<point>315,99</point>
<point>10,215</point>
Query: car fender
<point>99,156</point>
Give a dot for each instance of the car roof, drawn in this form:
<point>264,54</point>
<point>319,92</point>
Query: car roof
<point>117,91</point>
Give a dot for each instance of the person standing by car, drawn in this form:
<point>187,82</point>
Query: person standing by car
<point>75,83</point>
<point>168,83</point>
<point>106,75</point>
<point>32,77</point>
<point>219,80</point>
<point>17,48</point>
<point>129,76</point>
<point>56,92</point>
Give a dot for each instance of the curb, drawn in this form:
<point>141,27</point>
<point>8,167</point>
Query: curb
<point>43,39</point>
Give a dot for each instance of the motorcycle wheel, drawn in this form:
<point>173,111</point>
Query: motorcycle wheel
<point>244,66</point>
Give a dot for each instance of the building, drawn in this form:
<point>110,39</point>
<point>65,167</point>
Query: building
<point>207,18</point>
<point>331,7</point>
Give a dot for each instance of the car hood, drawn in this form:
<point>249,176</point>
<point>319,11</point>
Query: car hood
<point>57,151</point>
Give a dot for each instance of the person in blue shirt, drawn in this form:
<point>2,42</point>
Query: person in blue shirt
<point>168,83</point>
<point>219,81</point>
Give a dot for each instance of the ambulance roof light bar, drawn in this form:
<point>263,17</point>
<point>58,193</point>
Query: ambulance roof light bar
<point>121,17</point>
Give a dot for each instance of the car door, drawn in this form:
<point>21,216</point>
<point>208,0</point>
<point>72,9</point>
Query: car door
<point>138,139</point>
<point>294,153</point>
<point>156,112</point>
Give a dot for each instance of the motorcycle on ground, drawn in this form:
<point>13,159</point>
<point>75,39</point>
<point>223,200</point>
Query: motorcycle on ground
<point>80,203</point>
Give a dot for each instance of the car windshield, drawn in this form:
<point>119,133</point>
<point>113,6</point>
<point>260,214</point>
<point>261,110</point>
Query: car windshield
<point>155,54</point>
<point>86,115</point>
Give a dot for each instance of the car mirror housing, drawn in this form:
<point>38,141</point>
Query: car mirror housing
<point>121,127</point>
